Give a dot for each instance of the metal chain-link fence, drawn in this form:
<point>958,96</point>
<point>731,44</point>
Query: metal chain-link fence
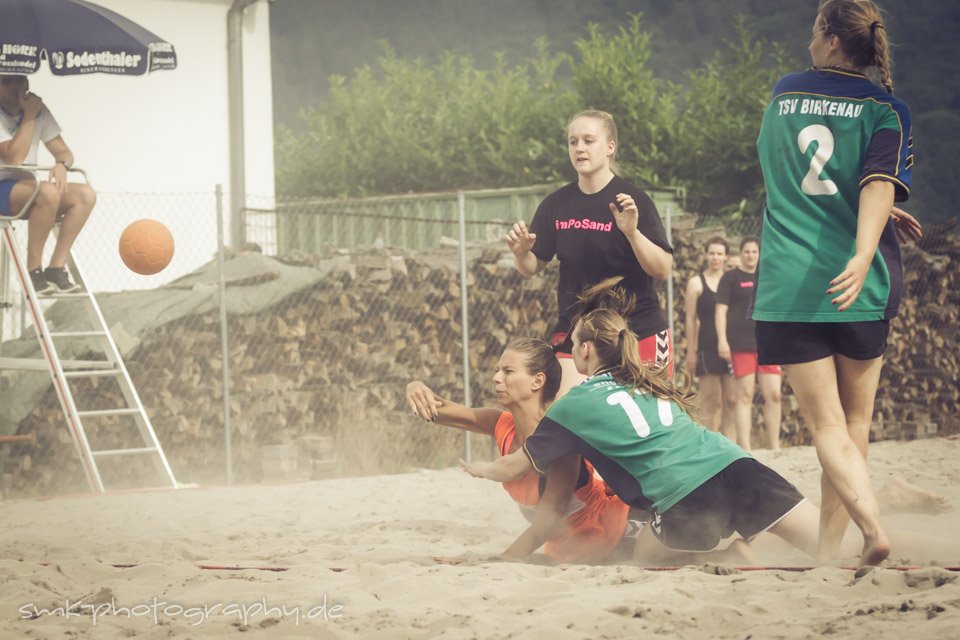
<point>330,307</point>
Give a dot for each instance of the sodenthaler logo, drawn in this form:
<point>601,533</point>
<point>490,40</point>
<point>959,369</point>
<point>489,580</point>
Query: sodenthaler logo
<point>103,59</point>
<point>57,58</point>
<point>585,223</point>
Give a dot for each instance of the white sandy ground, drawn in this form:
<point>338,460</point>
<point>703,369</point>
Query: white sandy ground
<point>383,532</point>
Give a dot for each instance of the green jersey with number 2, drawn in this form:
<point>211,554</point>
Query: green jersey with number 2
<point>825,134</point>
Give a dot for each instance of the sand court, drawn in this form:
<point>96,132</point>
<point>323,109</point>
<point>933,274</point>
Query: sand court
<point>359,559</point>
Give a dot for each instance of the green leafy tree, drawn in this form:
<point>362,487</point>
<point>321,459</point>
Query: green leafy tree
<point>405,126</point>
<point>714,152</point>
<point>613,74</point>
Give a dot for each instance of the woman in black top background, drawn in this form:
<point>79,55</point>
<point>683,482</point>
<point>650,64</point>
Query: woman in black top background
<point>717,393</point>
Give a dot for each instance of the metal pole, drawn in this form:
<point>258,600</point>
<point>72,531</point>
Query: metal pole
<point>464,320</point>
<point>4,290</point>
<point>238,157</point>
<point>224,348</point>
<point>670,311</point>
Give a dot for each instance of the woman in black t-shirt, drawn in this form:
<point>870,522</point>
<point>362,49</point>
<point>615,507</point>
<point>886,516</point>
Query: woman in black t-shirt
<point>598,227</point>
<point>737,344</point>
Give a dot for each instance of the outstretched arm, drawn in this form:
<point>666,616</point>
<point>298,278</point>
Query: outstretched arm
<point>430,407</point>
<point>506,469</point>
<point>561,484</point>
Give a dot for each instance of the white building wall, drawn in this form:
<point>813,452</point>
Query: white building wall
<point>155,145</point>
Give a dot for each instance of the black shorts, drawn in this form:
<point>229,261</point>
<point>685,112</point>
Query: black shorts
<point>709,363</point>
<point>637,519</point>
<point>746,498</point>
<point>796,342</point>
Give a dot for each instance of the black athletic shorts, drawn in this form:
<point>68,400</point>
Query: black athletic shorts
<point>745,498</point>
<point>710,363</point>
<point>796,342</point>
<point>637,519</point>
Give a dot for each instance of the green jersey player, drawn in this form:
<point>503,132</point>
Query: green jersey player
<point>836,153</point>
<point>632,423</point>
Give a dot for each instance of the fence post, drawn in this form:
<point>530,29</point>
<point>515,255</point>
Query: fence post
<point>224,348</point>
<point>670,311</point>
<point>464,320</point>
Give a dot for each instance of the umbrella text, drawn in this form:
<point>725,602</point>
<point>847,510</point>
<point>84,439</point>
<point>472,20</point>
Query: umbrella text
<point>18,50</point>
<point>102,59</point>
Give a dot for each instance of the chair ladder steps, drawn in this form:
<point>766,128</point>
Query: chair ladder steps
<point>108,412</point>
<point>62,370</point>
<point>78,334</point>
<point>92,373</point>
<point>123,452</point>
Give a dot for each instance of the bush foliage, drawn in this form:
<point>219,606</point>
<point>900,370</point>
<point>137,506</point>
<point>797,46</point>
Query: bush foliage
<point>402,125</point>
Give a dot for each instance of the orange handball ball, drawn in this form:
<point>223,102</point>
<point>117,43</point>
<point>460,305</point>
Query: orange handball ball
<point>146,247</point>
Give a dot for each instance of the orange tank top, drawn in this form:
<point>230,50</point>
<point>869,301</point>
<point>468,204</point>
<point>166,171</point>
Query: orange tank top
<point>595,517</point>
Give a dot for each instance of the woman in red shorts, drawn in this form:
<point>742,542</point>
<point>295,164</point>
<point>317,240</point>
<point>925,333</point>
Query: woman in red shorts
<point>737,344</point>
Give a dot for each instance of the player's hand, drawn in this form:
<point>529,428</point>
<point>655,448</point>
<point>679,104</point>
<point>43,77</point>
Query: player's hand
<point>476,469</point>
<point>423,401</point>
<point>520,240</point>
<point>723,350</point>
<point>908,228</point>
<point>627,215</point>
<point>849,283</point>
<point>58,176</point>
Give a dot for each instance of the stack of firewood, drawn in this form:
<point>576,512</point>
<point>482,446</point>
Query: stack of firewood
<point>920,385</point>
<point>332,361</point>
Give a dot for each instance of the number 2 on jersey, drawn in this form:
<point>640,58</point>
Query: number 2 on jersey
<point>632,409</point>
<point>812,185</point>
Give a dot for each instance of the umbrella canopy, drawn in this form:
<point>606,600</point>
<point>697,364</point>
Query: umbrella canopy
<point>76,37</point>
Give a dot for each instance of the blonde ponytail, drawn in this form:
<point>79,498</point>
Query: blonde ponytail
<point>618,354</point>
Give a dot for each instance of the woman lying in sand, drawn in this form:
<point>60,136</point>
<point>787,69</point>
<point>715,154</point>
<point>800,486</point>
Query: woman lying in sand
<point>595,527</point>
<point>634,426</point>
<point>580,520</point>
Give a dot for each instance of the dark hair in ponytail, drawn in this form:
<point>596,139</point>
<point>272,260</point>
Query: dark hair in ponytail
<point>539,358</point>
<point>863,38</point>
<point>607,294</point>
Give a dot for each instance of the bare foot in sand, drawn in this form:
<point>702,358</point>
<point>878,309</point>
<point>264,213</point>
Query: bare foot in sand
<point>875,549</point>
<point>899,496</point>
